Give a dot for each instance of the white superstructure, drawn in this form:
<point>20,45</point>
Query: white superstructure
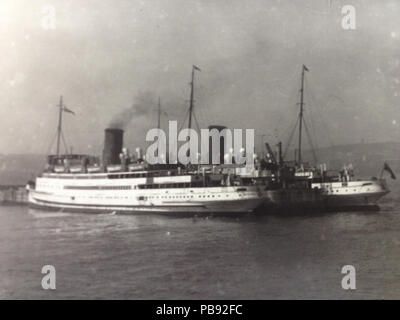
<point>345,191</point>
<point>147,191</point>
<point>352,193</point>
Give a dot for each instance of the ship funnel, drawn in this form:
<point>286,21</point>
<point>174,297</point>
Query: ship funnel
<point>113,139</point>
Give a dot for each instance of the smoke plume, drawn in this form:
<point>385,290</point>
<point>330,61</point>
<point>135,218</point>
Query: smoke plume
<point>144,104</point>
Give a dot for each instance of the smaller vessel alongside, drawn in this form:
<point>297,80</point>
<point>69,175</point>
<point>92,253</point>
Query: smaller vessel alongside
<point>343,190</point>
<point>289,187</point>
<point>302,186</point>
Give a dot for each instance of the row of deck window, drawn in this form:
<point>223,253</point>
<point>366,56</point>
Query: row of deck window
<point>98,187</point>
<point>158,197</point>
<point>142,186</point>
<point>114,175</point>
<point>170,185</point>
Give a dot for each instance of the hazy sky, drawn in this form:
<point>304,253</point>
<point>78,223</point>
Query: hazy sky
<point>103,55</point>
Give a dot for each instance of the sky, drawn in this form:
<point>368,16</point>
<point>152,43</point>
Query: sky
<point>108,56</point>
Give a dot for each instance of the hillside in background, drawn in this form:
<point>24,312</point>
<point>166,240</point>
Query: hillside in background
<point>367,159</point>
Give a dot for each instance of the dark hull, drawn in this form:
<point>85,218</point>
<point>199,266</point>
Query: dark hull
<point>361,200</point>
<point>313,201</point>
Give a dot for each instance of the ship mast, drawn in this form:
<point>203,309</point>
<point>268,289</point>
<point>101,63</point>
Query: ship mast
<point>194,68</point>
<point>159,114</point>
<point>158,123</point>
<point>62,108</point>
<point>59,127</point>
<point>301,112</point>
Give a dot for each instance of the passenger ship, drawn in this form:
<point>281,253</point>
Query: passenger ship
<point>158,191</point>
<point>74,182</point>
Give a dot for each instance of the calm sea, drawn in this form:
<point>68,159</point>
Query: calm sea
<point>156,257</point>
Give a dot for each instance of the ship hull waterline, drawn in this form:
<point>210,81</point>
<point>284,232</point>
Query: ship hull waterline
<point>300,202</point>
<point>227,208</point>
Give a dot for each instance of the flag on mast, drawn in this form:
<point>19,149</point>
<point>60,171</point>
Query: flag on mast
<point>68,110</point>
<point>196,68</point>
<point>388,169</point>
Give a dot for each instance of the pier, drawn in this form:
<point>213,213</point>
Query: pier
<point>13,194</point>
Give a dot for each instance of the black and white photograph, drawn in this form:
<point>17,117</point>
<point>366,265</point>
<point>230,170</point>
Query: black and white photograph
<point>199,150</point>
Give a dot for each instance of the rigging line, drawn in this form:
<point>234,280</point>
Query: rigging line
<point>295,92</point>
<point>284,130</point>
<point>65,134</point>
<point>197,115</point>
<point>66,130</point>
<point>310,142</point>
<point>201,115</point>
<point>52,140</point>
<point>290,139</point>
<point>172,143</point>
<point>320,115</point>
<point>292,126</point>
<point>184,120</point>
<point>51,144</point>
<point>313,130</point>
<point>313,144</point>
<point>310,113</point>
<point>325,125</point>
<point>314,105</point>
<point>297,120</point>
<point>65,144</point>
<point>288,129</point>
<point>197,123</point>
